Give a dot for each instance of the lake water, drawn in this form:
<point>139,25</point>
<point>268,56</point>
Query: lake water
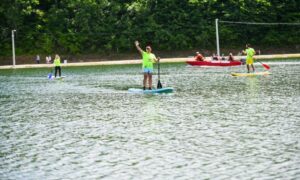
<point>87,126</point>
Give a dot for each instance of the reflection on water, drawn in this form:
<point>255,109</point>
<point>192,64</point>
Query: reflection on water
<point>88,127</point>
<point>253,87</point>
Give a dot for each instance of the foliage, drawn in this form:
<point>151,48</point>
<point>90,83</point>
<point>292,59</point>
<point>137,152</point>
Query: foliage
<point>103,26</point>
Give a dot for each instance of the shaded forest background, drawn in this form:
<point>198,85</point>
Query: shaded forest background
<point>96,29</point>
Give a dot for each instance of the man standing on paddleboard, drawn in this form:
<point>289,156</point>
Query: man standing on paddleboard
<point>148,60</point>
<point>249,59</point>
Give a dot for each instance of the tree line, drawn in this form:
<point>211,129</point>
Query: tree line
<point>101,26</point>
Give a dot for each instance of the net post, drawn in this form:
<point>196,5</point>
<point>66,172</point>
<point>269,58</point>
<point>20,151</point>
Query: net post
<point>13,47</point>
<point>217,38</point>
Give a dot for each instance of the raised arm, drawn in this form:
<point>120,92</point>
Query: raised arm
<point>137,45</point>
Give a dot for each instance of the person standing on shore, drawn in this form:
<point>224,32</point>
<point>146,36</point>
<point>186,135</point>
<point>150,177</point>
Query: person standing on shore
<point>37,59</point>
<point>57,65</point>
<point>47,60</point>
<point>50,59</point>
<point>148,60</point>
<point>250,52</point>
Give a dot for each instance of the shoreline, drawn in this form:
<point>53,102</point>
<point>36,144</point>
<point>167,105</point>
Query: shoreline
<point>138,61</point>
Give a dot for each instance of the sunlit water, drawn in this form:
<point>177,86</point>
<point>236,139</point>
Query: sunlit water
<point>87,126</point>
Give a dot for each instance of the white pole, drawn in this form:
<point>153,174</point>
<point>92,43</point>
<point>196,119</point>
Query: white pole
<point>217,37</point>
<point>13,47</point>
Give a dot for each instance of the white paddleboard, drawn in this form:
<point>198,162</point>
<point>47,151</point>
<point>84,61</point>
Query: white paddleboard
<point>152,91</point>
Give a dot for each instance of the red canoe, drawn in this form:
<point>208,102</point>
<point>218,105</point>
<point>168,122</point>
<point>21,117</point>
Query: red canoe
<point>213,63</point>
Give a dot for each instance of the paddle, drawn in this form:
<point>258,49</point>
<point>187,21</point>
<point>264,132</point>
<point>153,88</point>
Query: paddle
<point>264,65</point>
<point>159,85</point>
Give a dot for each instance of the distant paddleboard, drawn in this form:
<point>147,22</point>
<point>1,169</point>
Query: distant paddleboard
<point>153,91</point>
<point>251,74</point>
<point>61,77</point>
<point>50,77</point>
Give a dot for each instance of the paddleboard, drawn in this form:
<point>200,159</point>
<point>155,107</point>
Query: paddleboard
<point>251,74</point>
<point>61,77</point>
<point>56,78</point>
<point>153,91</point>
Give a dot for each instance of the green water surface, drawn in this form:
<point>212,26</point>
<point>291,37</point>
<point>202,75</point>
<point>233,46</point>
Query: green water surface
<point>87,126</point>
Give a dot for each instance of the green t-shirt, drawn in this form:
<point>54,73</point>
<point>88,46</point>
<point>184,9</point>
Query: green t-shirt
<point>148,60</point>
<point>250,52</point>
<point>57,61</point>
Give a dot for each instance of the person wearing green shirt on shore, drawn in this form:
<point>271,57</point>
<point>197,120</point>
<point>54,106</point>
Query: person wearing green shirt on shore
<point>250,52</point>
<point>57,65</point>
<point>148,60</point>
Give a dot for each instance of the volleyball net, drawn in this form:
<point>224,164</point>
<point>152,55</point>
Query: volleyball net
<point>235,34</point>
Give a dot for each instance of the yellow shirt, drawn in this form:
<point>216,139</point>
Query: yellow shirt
<point>148,59</point>
<point>57,61</point>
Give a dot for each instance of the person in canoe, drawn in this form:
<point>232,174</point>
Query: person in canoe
<point>148,60</point>
<point>230,57</point>
<point>250,52</point>
<point>223,58</point>
<point>199,57</point>
<point>214,57</point>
